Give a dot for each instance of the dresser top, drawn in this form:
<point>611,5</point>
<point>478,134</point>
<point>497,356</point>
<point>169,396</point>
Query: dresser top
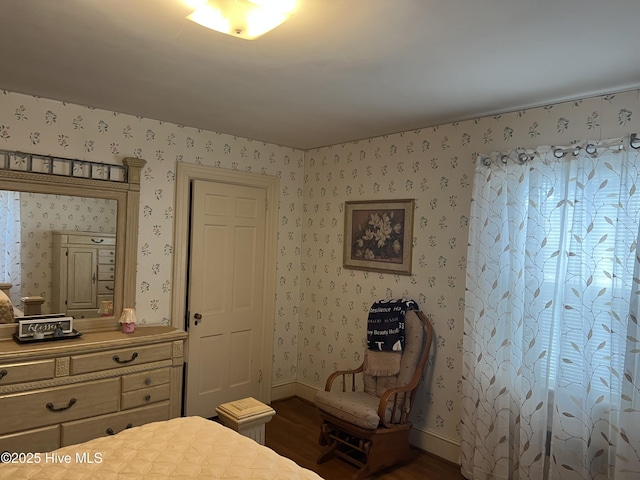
<point>10,350</point>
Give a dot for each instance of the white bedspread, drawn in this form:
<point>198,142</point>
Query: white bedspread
<point>190,447</point>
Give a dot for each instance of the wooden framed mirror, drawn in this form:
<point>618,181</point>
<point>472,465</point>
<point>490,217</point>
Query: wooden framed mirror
<point>121,195</point>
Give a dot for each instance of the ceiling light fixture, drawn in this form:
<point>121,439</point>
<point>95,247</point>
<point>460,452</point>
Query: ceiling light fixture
<point>246,19</point>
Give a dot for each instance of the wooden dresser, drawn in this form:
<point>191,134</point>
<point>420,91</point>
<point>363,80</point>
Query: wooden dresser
<point>60,393</point>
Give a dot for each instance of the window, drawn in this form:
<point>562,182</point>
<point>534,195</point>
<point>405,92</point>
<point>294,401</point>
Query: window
<point>552,291</point>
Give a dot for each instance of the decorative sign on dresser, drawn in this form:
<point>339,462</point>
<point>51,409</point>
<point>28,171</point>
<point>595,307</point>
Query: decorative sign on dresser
<point>45,325</point>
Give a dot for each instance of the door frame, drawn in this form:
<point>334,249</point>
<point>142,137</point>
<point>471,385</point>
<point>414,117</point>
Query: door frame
<point>185,173</point>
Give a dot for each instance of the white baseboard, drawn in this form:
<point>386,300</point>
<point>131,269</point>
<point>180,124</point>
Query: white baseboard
<point>435,443</point>
<point>283,390</point>
<point>427,440</point>
<point>305,391</point>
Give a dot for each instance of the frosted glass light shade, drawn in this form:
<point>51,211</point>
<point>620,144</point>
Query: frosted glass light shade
<point>246,19</point>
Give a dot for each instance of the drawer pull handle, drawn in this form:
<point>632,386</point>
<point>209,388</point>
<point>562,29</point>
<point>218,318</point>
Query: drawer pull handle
<point>147,381</point>
<point>3,373</point>
<point>107,287</point>
<point>116,358</point>
<point>109,431</point>
<point>97,241</point>
<point>51,408</point>
<point>147,398</point>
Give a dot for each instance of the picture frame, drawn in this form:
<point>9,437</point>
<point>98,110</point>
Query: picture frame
<point>378,235</point>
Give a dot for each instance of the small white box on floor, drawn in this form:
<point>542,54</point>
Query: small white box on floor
<point>247,417</point>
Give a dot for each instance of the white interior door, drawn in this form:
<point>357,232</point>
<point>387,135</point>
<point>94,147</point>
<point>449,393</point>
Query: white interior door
<point>226,276</point>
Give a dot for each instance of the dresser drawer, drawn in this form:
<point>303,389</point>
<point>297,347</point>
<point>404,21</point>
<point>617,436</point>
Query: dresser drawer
<point>38,440</point>
<point>91,239</point>
<point>105,287</point>
<point>27,372</point>
<point>83,313</point>
<point>94,362</point>
<point>59,404</point>
<point>106,256</point>
<point>83,430</point>
<point>140,380</point>
<point>106,272</point>
<point>106,268</point>
<point>145,396</point>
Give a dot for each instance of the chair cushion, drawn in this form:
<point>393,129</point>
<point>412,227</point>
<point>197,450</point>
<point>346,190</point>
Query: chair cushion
<point>358,408</point>
<point>414,339</point>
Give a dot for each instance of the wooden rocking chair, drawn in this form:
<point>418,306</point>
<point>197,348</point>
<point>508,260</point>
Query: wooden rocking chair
<point>370,428</point>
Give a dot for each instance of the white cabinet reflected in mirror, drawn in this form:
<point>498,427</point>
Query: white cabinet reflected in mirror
<point>93,219</point>
<point>62,248</point>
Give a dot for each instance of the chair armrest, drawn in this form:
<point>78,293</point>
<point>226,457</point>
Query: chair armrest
<point>398,401</point>
<point>344,374</point>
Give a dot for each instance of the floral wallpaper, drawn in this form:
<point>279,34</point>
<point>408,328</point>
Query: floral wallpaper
<point>48,127</point>
<point>39,216</point>
<point>321,306</point>
<point>434,166</point>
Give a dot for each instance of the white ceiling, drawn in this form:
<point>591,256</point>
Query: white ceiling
<point>339,70</point>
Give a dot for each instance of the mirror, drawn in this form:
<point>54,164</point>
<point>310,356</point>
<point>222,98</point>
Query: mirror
<point>41,232</point>
<point>117,205</point>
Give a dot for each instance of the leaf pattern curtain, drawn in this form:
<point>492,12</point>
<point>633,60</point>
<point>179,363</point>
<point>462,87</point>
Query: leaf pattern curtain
<point>10,267</point>
<point>551,349</point>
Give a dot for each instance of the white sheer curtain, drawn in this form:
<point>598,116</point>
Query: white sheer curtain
<point>551,350</point>
<point>10,268</point>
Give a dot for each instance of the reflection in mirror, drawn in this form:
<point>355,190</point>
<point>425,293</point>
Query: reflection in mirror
<point>37,241</point>
<point>83,183</point>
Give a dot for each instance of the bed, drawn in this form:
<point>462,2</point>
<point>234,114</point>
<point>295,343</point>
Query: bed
<point>7,311</point>
<point>187,447</point>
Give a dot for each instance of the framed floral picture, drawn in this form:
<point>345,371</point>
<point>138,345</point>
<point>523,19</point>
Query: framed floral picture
<point>378,235</point>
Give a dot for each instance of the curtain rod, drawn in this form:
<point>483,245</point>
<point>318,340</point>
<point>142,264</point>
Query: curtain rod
<point>559,152</point>
<point>591,148</point>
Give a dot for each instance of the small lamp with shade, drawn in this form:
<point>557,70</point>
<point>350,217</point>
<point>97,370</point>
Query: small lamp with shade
<point>128,320</point>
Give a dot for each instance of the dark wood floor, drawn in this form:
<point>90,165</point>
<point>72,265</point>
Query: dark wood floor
<point>293,432</point>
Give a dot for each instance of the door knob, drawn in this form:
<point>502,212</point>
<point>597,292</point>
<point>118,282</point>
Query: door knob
<point>198,317</point>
